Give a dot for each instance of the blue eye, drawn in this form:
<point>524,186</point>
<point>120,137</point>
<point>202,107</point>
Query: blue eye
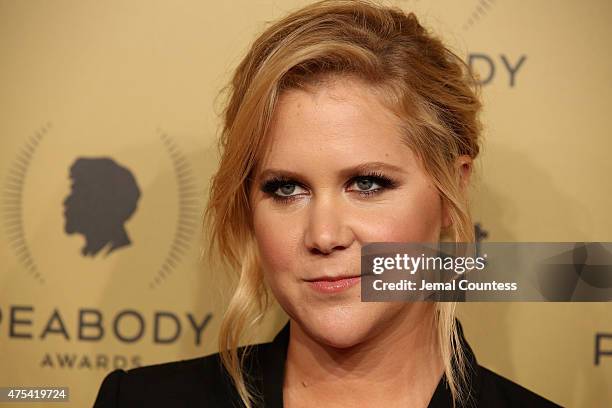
<point>280,189</point>
<point>286,191</point>
<point>365,184</point>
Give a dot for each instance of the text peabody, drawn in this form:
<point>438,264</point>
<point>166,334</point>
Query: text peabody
<point>413,263</point>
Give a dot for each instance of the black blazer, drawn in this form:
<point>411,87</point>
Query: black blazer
<point>202,382</point>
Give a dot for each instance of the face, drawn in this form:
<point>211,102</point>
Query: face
<point>335,177</point>
<point>74,217</point>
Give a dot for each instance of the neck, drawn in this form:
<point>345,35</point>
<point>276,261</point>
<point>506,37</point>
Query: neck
<point>399,366</point>
<point>115,238</point>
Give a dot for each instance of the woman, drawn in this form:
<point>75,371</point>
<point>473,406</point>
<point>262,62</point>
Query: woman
<point>346,123</point>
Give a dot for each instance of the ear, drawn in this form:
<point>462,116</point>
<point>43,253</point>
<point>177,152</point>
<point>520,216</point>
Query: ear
<point>463,168</point>
<point>463,164</point>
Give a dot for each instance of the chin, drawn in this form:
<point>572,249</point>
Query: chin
<point>341,326</point>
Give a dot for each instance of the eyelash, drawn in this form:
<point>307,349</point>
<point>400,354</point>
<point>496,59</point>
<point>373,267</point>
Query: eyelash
<point>269,187</point>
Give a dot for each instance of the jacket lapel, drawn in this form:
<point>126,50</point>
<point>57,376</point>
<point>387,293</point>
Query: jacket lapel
<point>273,369</point>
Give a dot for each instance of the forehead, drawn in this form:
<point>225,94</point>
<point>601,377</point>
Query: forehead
<point>339,123</point>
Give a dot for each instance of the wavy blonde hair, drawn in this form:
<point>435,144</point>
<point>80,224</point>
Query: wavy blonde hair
<point>427,85</point>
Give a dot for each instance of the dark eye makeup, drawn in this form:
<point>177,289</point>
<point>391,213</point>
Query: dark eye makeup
<point>273,184</point>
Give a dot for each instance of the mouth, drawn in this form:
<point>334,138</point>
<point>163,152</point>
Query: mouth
<point>333,284</point>
<point>331,278</point>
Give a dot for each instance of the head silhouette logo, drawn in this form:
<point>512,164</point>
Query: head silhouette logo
<point>104,195</point>
<point>95,201</point>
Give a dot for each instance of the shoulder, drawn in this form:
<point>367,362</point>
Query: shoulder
<point>498,391</point>
<point>195,382</point>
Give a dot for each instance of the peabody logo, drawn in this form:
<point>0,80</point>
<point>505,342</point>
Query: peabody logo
<point>103,219</point>
<point>104,196</point>
<point>112,200</point>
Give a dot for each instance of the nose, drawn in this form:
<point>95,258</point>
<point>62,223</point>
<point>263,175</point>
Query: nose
<point>327,227</point>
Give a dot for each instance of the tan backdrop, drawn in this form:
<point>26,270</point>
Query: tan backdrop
<point>135,82</point>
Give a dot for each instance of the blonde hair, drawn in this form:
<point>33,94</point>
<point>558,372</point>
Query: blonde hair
<point>424,83</point>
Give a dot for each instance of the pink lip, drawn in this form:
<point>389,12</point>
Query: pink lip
<point>330,285</point>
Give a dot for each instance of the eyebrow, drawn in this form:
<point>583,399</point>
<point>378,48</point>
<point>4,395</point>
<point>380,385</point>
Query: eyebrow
<point>360,168</point>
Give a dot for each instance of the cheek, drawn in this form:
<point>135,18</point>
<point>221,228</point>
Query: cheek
<point>277,243</point>
<point>415,217</point>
